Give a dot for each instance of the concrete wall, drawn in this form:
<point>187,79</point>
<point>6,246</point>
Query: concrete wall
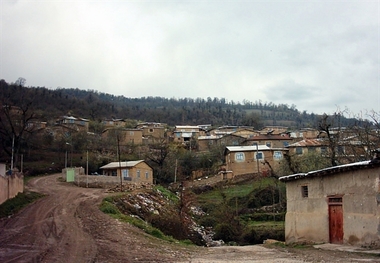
<point>2,169</point>
<point>307,218</point>
<point>10,186</point>
<point>102,181</point>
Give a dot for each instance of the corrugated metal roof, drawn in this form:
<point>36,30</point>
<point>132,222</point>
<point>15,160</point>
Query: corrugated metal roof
<point>331,170</point>
<point>269,137</point>
<point>210,137</point>
<point>247,148</point>
<point>127,164</point>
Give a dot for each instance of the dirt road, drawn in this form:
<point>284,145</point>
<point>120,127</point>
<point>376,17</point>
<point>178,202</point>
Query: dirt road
<point>67,226</point>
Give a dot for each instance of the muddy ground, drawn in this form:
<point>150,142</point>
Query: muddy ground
<point>67,226</point>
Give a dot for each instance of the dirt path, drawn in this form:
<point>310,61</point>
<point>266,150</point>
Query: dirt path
<point>67,226</point>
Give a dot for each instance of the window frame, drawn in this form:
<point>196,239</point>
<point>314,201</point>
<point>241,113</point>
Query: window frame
<point>259,153</point>
<point>305,191</point>
<point>239,157</point>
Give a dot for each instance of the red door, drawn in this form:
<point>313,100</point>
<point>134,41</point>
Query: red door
<point>336,223</point>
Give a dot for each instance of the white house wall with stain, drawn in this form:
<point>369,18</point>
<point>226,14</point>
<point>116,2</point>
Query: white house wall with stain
<point>335,205</point>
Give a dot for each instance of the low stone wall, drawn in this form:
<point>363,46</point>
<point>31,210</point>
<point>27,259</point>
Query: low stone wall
<point>107,182</point>
<point>96,181</point>
<point>10,186</point>
<point>213,180</point>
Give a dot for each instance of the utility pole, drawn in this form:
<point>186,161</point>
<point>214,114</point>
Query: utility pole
<point>175,171</point>
<point>257,158</point>
<point>13,149</point>
<point>118,153</point>
<point>87,168</point>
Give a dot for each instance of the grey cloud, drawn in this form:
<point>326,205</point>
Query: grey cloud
<point>313,54</point>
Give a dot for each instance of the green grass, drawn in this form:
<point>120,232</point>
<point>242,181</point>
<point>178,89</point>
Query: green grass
<point>239,190</point>
<point>166,193</point>
<point>13,205</point>
<point>275,225</point>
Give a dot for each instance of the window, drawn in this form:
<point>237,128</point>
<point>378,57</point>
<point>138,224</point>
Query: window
<point>286,144</point>
<point>305,191</point>
<point>125,173</point>
<point>277,155</point>
<point>151,130</point>
<point>114,173</point>
<point>269,144</point>
<point>298,150</point>
<point>259,156</point>
<point>146,175</point>
<point>239,157</point>
<point>138,173</point>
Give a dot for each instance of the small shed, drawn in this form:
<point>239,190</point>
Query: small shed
<point>132,171</point>
<point>340,204</point>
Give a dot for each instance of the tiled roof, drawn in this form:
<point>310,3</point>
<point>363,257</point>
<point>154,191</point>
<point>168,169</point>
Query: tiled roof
<point>309,142</point>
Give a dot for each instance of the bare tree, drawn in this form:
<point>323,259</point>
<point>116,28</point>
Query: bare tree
<point>367,132</point>
<point>326,125</point>
<point>20,82</point>
<point>16,127</point>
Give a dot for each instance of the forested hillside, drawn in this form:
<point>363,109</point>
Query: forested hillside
<point>48,104</point>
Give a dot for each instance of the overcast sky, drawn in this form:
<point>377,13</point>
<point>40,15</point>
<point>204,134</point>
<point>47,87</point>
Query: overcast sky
<point>317,55</point>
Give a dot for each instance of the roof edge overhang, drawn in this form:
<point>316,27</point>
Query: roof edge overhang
<point>331,170</point>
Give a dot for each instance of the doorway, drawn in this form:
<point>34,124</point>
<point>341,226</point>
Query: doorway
<point>336,220</point>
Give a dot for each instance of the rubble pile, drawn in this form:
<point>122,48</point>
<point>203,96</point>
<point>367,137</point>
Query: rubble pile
<point>153,207</point>
<point>129,187</point>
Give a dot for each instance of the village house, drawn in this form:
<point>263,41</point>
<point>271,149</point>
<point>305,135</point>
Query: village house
<point>125,135</point>
<point>339,205</point>
<point>231,140</point>
<point>305,133</point>
<point>131,171</point>
<point>270,140</point>
<point>112,123</point>
<point>259,159</point>
<point>152,132</point>
<point>274,130</point>
<point>346,150</point>
<point>186,134</point>
<point>308,146</point>
<point>205,143</point>
<point>73,123</point>
<point>246,133</point>
<point>238,130</point>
